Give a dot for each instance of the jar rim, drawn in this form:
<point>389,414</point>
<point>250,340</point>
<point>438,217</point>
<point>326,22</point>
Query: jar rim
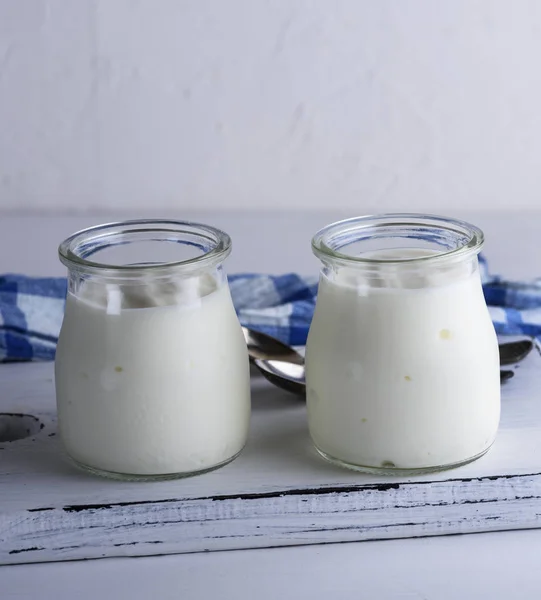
<point>327,242</point>
<point>93,238</point>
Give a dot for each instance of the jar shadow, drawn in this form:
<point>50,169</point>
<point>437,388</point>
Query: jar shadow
<point>268,398</point>
<point>280,440</point>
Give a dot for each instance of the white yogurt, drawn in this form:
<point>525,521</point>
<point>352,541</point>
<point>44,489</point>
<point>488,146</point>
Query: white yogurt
<point>152,380</point>
<point>402,369</point>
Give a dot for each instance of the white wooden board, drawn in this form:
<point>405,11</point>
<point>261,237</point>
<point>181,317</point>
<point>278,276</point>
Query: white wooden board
<point>278,492</point>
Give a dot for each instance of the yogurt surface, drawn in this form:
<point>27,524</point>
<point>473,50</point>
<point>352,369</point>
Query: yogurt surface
<point>402,367</point>
<point>153,379</point>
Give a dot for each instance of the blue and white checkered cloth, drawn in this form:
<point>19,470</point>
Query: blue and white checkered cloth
<point>31,309</point>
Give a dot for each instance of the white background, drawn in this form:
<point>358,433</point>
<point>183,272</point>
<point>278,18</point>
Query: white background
<point>237,104</point>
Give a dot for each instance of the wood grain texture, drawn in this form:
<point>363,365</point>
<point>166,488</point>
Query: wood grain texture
<point>277,493</point>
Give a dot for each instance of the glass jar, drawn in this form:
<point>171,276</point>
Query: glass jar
<point>152,371</point>
<point>402,361</point>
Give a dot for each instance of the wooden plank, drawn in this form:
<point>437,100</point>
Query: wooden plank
<point>499,566</point>
<point>279,492</point>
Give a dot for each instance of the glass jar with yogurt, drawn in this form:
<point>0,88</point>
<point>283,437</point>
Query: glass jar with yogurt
<point>402,361</point>
<point>152,371</point>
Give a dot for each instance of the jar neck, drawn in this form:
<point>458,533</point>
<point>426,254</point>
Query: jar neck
<point>397,241</point>
<point>132,251</point>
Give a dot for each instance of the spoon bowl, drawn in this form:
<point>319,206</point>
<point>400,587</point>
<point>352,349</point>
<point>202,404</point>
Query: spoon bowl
<point>513,352</point>
<point>265,347</point>
<point>288,376</point>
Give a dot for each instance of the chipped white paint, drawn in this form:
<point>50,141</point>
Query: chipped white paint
<point>277,493</point>
<point>259,103</point>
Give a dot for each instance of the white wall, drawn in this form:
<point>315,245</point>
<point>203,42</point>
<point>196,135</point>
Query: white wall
<point>392,104</point>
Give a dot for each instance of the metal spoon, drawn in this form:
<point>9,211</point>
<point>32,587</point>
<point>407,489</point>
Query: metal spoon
<point>265,347</point>
<point>290,377</point>
<point>289,374</point>
<point>513,352</point>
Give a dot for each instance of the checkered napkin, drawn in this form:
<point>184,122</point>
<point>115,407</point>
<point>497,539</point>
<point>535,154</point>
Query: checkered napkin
<point>31,309</point>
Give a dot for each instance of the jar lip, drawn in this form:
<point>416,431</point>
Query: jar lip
<point>340,230</point>
<point>96,236</point>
